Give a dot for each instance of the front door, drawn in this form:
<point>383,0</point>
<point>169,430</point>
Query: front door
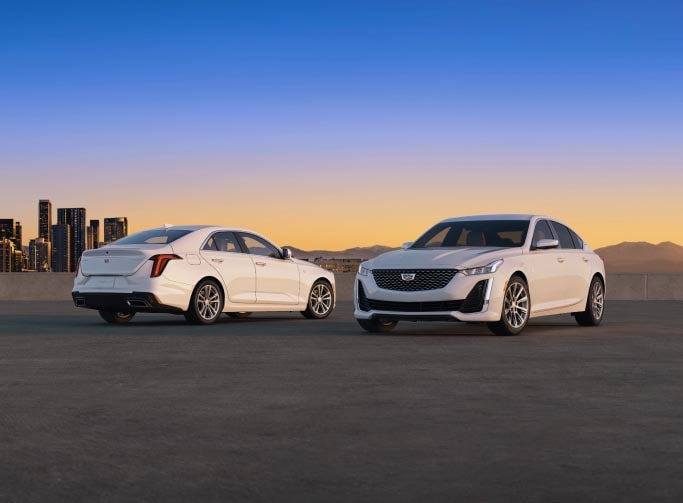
<point>545,274</point>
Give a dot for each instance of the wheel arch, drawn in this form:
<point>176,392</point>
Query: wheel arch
<point>521,274</point>
<point>211,277</point>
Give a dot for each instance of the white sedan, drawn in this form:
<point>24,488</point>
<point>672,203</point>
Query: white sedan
<point>201,272</point>
<point>498,269</point>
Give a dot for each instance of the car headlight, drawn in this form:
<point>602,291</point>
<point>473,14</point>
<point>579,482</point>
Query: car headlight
<point>485,269</point>
<point>364,271</point>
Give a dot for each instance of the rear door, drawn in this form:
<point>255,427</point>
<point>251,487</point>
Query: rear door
<point>223,251</point>
<point>277,279</point>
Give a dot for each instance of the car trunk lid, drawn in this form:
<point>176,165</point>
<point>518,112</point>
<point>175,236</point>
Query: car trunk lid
<point>118,260</point>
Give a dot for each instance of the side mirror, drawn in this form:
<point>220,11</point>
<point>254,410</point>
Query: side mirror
<point>407,245</point>
<point>545,244</point>
<point>286,253</point>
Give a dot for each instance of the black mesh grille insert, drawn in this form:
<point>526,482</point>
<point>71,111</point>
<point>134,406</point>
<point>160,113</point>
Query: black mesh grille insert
<point>414,307</point>
<point>422,279</point>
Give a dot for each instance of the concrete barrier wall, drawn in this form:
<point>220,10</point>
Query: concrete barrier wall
<point>57,286</point>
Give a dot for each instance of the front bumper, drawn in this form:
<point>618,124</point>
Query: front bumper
<point>143,302</point>
<point>464,298</point>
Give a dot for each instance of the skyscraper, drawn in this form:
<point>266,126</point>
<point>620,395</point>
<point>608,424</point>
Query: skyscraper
<point>115,228</point>
<point>6,255</point>
<point>45,219</point>
<point>39,254</point>
<point>93,240</point>
<point>75,219</point>
<point>61,248</point>
<point>18,237</point>
<point>7,228</point>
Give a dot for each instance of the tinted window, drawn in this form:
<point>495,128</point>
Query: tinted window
<point>224,242</point>
<point>153,237</point>
<point>563,235</point>
<point>258,246</point>
<point>542,231</point>
<point>578,242</point>
<point>495,233</point>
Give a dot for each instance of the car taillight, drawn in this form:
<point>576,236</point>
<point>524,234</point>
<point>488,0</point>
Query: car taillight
<point>159,263</point>
<point>78,266</point>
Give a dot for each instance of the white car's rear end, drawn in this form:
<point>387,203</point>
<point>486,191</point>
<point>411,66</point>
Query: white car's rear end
<point>118,278</point>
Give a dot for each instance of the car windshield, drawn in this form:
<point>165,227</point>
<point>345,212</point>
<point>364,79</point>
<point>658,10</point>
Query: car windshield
<point>152,237</point>
<point>493,233</point>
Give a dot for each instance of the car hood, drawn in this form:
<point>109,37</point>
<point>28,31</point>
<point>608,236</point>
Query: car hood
<point>458,258</point>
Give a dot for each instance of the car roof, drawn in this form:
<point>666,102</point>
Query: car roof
<point>501,216</point>
<point>207,227</point>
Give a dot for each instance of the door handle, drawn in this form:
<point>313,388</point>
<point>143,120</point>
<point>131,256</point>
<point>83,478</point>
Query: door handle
<point>585,259</point>
<point>560,259</point>
<point>262,264</point>
<point>219,260</point>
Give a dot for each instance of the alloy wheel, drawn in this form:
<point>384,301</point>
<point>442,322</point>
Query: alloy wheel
<point>208,301</point>
<point>516,305</point>
<point>597,305</point>
<point>320,301</point>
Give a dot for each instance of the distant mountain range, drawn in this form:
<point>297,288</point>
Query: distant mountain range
<point>363,253</point>
<point>642,257</point>
<point>623,257</point>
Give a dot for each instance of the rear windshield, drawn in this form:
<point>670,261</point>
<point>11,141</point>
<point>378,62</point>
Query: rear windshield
<point>495,233</point>
<point>152,237</point>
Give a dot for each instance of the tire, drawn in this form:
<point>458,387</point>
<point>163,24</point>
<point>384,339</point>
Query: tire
<point>116,317</point>
<point>377,326</point>
<point>206,304</point>
<point>320,301</point>
<point>239,316</point>
<point>595,305</point>
<point>516,308</point>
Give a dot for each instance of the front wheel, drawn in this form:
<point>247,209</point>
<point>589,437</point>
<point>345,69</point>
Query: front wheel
<point>116,317</point>
<point>595,305</point>
<point>320,301</point>
<point>516,308</point>
<point>206,304</point>
<point>377,326</point>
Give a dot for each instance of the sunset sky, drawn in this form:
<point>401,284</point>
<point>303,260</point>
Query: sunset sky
<point>339,124</point>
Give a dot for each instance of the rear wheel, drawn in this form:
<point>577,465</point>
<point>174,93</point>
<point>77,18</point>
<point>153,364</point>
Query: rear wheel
<point>377,326</point>
<point>516,308</point>
<point>239,316</point>
<point>595,305</point>
<point>116,317</point>
<point>206,304</point>
<point>320,301</point>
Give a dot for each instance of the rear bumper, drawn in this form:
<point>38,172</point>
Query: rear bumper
<point>143,302</point>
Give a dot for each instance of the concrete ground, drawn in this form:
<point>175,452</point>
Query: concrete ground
<point>279,408</point>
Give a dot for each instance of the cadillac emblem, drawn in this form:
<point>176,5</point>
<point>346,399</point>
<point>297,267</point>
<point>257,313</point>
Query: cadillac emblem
<point>407,277</point>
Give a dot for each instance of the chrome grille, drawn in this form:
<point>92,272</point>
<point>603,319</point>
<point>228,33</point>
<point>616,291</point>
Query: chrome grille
<point>423,279</point>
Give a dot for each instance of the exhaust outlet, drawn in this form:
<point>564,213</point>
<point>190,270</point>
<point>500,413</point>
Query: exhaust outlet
<point>137,303</point>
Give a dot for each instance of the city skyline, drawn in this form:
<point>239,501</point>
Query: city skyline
<point>354,125</point>
<point>56,247</point>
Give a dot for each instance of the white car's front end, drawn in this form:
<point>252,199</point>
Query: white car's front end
<point>430,285</point>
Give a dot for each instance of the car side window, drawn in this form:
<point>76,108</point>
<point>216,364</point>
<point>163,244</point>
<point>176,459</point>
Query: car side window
<point>563,236</point>
<point>258,246</point>
<point>542,231</point>
<point>223,242</point>
<point>578,242</point>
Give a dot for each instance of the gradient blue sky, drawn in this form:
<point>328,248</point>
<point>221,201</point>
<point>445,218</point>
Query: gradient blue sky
<point>287,116</point>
